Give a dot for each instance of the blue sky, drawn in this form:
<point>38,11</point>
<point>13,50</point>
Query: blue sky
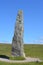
<point>33,20</point>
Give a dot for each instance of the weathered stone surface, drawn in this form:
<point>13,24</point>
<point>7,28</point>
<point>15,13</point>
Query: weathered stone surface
<point>17,42</point>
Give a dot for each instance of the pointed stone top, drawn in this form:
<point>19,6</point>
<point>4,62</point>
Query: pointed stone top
<point>20,11</point>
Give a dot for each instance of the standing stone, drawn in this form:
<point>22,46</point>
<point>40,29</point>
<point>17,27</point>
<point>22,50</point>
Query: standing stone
<point>17,42</point>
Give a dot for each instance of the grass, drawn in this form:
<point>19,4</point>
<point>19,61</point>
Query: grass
<point>29,63</point>
<point>34,50</point>
<point>31,50</point>
<point>17,58</point>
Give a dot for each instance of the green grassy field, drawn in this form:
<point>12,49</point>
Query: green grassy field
<point>34,50</point>
<point>31,50</point>
<point>29,63</point>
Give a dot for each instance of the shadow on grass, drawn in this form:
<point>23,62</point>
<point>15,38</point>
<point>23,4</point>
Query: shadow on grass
<point>4,56</point>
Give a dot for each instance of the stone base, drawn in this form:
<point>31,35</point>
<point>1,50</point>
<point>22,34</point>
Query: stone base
<point>16,55</point>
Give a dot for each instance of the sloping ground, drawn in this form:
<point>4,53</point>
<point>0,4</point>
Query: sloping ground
<point>31,50</point>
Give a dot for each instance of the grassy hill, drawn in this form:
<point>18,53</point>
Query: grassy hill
<point>31,50</point>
